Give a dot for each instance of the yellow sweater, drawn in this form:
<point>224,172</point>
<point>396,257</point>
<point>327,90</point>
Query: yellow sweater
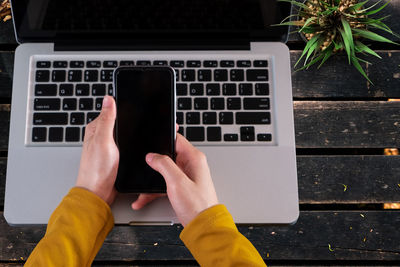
<point>78,227</point>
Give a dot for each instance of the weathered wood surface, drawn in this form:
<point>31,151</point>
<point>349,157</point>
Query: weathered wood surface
<point>7,33</point>
<point>322,124</point>
<point>323,179</point>
<point>352,235</point>
<point>335,79</point>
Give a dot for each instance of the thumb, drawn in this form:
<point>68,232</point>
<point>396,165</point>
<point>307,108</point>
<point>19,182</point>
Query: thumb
<point>165,166</point>
<point>106,119</point>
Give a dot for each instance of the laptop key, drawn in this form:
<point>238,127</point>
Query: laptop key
<point>160,63</point>
<point>143,62</point>
<point>196,89</point>
<point>181,89</point>
<point>45,90</point>
<point>260,63</point>
<point>46,104</point>
<point>39,134</point>
<point>110,64</point>
<point>93,64</point>
<point>237,75</point>
<point>83,133</point>
<point>77,118</point>
<point>43,64</point>
<point>177,63</point>
<point>56,134</point>
<point>264,137</point>
<point>195,134</point>
<point>210,63</point>
<point>69,104</point>
<point>66,89</point>
<point>209,118</point>
<point>50,118</point>
<point>247,133</point>
<point>231,137</point>
<point>126,63</point>
<point>98,89</point>
<point>233,103</point>
<point>58,75</point>
<point>213,134</point>
<point>221,75</point>
<point>201,103</point>
<point>204,75</point>
<point>193,118</point>
<point>245,89</point>
<point>82,89</point>
<point>253,118</point>
<point>91,116</point>
<point>188,75</point>
<point>179,117</point>
<point>86,104</point>
<point>184,103</point>
<point>226,117</point>
<point>213,89</point>
<point>106,75</point>
<point>181,130</point>
<point>60,64</point>
<point>257,75</point>
<point>72,134</point>
<point>227,63</point>
<point>229,89</point>
<point>193,64</point>
<point>256,103</point>
<point>99,103</point>
<point>74,75</point>
<point>243,63</point>
<point>91,75</point>
<point>76,64</point>
<point>42,76</point>
<point>262,89</point>
<point>217,103</point>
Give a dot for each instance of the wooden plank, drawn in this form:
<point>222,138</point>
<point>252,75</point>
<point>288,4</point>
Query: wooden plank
<point>352,235</point>
<point>322,124</point>
<point>4,125</point>
<point>6,73</point>
<point>7,33</point>
<point>335,79</point>
<point>352,124</point>
<point>322,179</point>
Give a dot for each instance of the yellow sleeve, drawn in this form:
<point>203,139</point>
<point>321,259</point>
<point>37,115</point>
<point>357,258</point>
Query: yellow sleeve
<point>214,240</point>
<point>75,232</point>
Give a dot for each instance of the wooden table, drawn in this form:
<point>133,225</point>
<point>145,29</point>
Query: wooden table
<point>342,126</point>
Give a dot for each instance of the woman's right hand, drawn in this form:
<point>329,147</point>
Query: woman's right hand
<point>189,185</point>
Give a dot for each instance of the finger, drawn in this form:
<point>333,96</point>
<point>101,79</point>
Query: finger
<point>184,149</point>
<point>90,130</point>
<point>144,199</point>
<point>106,119</point>
<point>176,127</point>
<point>165,166</point>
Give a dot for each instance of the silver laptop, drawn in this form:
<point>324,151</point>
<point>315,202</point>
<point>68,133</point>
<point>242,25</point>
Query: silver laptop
<point>234,98</point>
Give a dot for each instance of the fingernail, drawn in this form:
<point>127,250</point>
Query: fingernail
<point>106,101</point>
<point>149,157</point>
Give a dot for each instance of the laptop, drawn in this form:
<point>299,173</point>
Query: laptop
<point>234,98</point>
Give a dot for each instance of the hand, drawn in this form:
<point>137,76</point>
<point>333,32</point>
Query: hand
<point>189,185</point>
<point>100,155</point>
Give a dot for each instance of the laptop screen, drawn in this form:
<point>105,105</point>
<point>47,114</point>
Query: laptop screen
<point>58,20</point>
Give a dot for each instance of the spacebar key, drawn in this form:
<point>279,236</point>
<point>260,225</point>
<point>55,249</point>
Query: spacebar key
<point>50,118</point>
<point>253,118</point>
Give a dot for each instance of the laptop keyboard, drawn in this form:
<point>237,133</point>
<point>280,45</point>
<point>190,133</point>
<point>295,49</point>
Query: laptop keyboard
<point>218,101</point>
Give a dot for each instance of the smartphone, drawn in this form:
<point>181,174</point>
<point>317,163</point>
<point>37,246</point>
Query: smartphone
<point>145,98</point>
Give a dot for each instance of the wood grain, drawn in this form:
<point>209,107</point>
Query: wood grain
<point>4,125</point>
<point>6,73</point>
<point>352,235</point>
<point>7,33</point>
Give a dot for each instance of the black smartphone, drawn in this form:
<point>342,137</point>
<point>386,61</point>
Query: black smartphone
<point>145,98</point>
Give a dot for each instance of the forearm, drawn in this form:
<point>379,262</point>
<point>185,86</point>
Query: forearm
<point>213,239</point>
<point>75,232</point>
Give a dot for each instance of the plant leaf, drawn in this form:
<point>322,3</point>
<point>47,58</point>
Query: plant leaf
<point>363,48</point>
<point>372,36</point>
<point>368,8</point>
<point>328,52</point>
<point>315,60</point>
<point>346,44</point>
<point>356,6</point>
<point>356,64</point>
<point>377,10</point>
<point>313,48</point>
<point>308,21</point>
<point>308,45</point>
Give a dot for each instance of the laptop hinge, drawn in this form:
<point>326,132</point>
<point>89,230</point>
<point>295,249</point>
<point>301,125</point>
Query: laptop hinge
<point>152,46</point>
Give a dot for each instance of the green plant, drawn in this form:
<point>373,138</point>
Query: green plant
<point>334,25</point>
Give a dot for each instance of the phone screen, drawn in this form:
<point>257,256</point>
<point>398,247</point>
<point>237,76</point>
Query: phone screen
<point>145,123</point>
